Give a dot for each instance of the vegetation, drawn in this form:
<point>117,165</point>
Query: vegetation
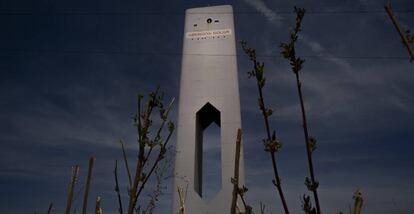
<point>289,52</point>
<point>147,144</point>
<point>271,143</point>
<point>154,159</point>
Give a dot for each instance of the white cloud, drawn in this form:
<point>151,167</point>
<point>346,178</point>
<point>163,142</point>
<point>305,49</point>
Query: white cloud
<point>315,46</point>
<point>260,6</point>
<point>319,50</point>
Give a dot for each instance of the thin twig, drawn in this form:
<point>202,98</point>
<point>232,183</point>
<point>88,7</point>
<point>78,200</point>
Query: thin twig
<point>49,210</point>
<point>162,149</point>
<point>164,120</point>
<point>153,166</point>
<point>88,182</point>
<point>262,208</point>
<point>288,51</point>
<point>140,178</point>
<point>138,117</point>
<point>271,145</point>
<point>247,208</point>
<point>75,171</point>
<point>308,146</point>
<point>141,153</point>
<point>126,163</point>
<point>162,174</point>
<point>158,135</point>
<point>117,188</point>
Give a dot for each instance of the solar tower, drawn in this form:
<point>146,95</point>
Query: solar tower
<point>209,94</point>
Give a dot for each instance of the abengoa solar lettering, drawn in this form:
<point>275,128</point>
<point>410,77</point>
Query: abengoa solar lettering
<point>209,33</point>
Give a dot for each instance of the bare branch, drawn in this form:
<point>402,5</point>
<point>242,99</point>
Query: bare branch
<point>126,163</point>
<point>142,138</point>
<point>143,120</point>
<point>406,38</point>
<point>262,208</point>
<point>117,188</point>
<point>289,52</point>
<point>49,210</point>
<point>272,144</point>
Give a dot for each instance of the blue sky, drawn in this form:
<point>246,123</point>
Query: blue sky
<point>70,72</point>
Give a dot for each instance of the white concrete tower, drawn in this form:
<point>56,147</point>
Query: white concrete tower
<point>209,92</point>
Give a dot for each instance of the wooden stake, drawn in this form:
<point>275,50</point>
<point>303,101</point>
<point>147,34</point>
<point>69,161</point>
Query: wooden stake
<point>98,209</point>
<point>88,182</point>
<point>358,201</point>
<point>75,171</point>
<point>235,179</point>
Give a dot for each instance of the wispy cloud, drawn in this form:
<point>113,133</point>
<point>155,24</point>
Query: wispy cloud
<point>315,46</point>
<point>260,6</point>
<point>319,50</point>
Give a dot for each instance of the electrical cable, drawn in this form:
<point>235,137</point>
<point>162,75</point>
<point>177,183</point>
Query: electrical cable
<point>152,53</point>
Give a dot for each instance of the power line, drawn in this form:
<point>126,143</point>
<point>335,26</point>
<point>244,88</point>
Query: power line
<point>147,13</point>
<point>152,53</point>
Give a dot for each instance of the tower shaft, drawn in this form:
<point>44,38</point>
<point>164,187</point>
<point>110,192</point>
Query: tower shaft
<point>209,93</point>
